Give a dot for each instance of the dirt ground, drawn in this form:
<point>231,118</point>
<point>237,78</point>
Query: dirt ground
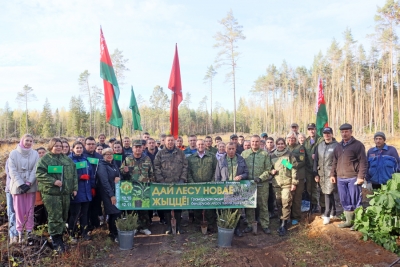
<point>306,245</point>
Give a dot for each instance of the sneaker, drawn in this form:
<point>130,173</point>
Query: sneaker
<point>334,217</point>
<point>145,231</point>
<point>294,222</point>
<point>116,240</point>
<point>326,220</point>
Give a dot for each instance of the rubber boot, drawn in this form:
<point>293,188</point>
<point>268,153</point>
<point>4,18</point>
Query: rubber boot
<point>61,242</point>
<point>56,243</point>
<point>349,217</point>
<point>238,233</point>
<point>167,217</point>
<point>282,229</point>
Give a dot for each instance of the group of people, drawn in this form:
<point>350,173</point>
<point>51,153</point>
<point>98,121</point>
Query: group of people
<point>72,185</point>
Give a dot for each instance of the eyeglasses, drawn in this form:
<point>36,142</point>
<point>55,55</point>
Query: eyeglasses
<point>108,154</point>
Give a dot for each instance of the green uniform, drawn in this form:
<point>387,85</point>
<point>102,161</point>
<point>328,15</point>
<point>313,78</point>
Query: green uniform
<point>283,180</point>
<point>312,186</point>
<point>212,150</point>
<point>299,152</point>
<point>201,170</point>
<point>259,164</point>
<point>56,199</point>
<point>140,171</point>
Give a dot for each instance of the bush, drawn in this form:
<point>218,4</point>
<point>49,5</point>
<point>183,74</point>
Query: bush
<point>127,222</point>
<point>227,218</point>
<point>380,221</point>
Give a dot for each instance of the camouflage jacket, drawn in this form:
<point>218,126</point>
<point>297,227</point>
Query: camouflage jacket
<point>284,176</point>
<point>212,150</point>
<point>310,150</point>
<point>170,167</point>
<point>46,180</point>
<point>300,153</point>
<point>201,169</point>
<point>258,163</point>
<point>139,170</point>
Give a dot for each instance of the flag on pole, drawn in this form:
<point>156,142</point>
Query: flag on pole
<point>322,115</point>
<point>176,87</point>
<point>135,112</point>
<point>111,89</point>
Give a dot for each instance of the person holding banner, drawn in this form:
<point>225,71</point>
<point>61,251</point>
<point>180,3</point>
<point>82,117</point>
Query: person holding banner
<point>58,179</point>
<point>284,181</point>
<point>138,168</point>
<point>108,175</point>
<point>231,167</point>
<point>80,203</point>
<point>201,169</point>
<point>259,164</point>
<point>119,155</point>
<point>170,166</point>
<point>93,157</point>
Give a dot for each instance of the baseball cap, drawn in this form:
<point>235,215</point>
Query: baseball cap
<point>137,143</point>
<point>294,125</point>
<point>327,130</point>
<point>264,135</point>
<point>311,126</point>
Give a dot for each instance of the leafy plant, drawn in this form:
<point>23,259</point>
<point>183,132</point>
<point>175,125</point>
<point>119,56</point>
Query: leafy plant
<point>142,190</point>
<point>228,218</point>
<point>127,222</point>
<point>380,222</point>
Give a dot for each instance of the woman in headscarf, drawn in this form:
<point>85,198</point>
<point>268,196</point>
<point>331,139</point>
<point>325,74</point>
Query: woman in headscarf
<point>79,206</point>
<point>284,181</point>
<point>221,150</point>
<point>21,167</point>
<point>58,180</point>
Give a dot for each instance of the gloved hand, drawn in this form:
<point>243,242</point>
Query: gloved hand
<point>93,192</point>
<point>84,177</point>
<point>24,188</point>
<point>257,180</point>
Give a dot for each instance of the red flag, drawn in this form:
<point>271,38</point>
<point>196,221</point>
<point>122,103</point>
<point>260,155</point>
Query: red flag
<point>176,87</point>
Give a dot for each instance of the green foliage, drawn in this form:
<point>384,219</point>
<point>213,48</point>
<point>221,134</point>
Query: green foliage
<point>380,222</point>
<point>228,218</point>
<point>127,222</point>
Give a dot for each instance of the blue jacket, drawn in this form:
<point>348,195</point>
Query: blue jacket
<point>84,193</point>
<point>382,163</point>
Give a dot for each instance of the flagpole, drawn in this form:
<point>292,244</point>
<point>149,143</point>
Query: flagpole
<point>120,138</point>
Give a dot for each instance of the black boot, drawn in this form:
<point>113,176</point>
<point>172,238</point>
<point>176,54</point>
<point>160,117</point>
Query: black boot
<point>58,243</point>
<point>62,244</point>
<point>322,210</point>
<point>167,218</point>
<point>238,233</point>
<point>178,219</point>
<point>283,228</point>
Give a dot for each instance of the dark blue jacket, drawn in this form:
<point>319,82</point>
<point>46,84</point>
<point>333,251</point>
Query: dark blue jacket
<point>382,163</point>
<point>84,193</point>
<point>151,156</point>
<point>93,155</point>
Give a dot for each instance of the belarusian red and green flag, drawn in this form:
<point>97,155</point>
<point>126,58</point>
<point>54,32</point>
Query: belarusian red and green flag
<point>322,115</point>
<point>111,89</point>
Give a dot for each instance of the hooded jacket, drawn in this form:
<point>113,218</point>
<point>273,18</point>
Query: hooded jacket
<point>84,193</point>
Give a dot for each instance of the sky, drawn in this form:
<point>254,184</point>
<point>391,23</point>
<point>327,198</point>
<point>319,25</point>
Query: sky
<point>46,44</point>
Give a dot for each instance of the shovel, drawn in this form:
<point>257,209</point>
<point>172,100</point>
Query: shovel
<point>173,222</point>
<point>204,224</point>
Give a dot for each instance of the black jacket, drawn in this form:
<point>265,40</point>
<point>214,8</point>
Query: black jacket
<point>106,175</point>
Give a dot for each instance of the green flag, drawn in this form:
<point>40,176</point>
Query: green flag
<point>287,164</point>
<point>135,112</point>
<point>80,165</point>
<point>117,157</point>
<point>93,161</point>
<point>54,169</point>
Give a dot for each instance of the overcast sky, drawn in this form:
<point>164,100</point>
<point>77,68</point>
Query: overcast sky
<point>48,43</point>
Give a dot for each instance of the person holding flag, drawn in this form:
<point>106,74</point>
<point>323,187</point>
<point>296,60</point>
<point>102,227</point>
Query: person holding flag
<point>79,206</point>
<point>58,179</point>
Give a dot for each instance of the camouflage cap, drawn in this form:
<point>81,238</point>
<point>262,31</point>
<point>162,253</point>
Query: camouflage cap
<point>137,143</point>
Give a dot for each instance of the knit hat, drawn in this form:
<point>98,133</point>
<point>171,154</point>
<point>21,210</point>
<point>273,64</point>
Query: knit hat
<point>381,134</point>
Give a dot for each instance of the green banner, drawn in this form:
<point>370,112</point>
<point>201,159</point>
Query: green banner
<point>214,195</point>
<point>117,157</point>
<point>93,161</point>
<point>80,165</point>
<point>54,169</point>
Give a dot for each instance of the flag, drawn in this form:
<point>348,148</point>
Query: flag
<point>117,157</point>
<point>176,87</point>
<point>54,169</point>
<point>322,115</point>
<point>111,89</point>
<point>135,112</point>
<point>93,161</point>
<point>80,165</point>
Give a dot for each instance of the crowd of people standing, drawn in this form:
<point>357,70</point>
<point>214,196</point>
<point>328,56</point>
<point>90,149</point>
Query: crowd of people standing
<point>75,185</point>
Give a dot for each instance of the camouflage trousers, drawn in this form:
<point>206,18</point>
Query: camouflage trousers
<point>57,208</point>
<point>283,201</point>
<point>262,205</point>
<point>312,190</point>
